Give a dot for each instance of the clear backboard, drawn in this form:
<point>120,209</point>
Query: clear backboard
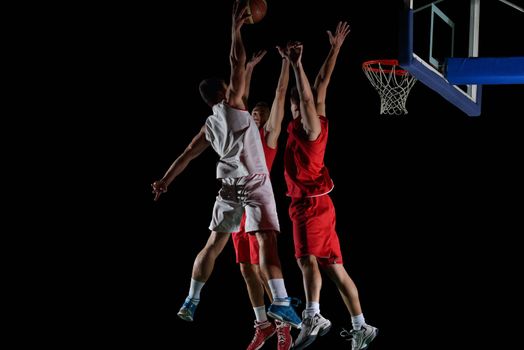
<point>439,45</point>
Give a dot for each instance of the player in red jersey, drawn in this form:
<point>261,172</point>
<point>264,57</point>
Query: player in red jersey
<point>269,122</point>
<point>311,209</point>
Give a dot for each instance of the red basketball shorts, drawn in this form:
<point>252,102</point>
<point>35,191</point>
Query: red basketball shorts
<point>314,229</point>
<point>246,245</point>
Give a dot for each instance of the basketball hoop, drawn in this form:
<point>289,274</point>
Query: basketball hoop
<point>392,83</point>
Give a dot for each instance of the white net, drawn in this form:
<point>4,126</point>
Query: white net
<point>392,83</point>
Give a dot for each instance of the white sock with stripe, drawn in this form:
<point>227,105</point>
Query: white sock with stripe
<point>260,314</point>
<point>194,290</point>
<point>278,290</point>
<point>358,321</point>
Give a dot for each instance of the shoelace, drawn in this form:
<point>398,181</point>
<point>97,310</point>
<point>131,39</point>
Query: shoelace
<point>308,321</point>
<point>280,333</point>
<point>281,338</point>
<point>346,335</point>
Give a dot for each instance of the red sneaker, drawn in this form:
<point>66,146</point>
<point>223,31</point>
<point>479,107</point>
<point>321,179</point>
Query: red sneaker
<point>283,335</point>
<point>263,331</point>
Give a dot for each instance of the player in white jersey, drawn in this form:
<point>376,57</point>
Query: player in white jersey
<point>246,186</point>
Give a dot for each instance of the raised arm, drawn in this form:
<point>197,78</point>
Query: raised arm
<point>237,58</point>
<point>274,123</point>
<point>308,113</point>
<point>193,150</point>
<point>255,59</point>
<point>324,75</point>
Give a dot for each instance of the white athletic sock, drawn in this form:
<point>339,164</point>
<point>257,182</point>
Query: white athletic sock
<point>194,290</point>
<point>312,308</point>
<point>278,290</point>
<point>260,313</point>
<point>358,321</point>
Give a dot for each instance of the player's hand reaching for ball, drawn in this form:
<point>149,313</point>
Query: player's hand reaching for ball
<point>240,14</point>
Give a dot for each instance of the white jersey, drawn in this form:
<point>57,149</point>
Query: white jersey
<point>234,135</point>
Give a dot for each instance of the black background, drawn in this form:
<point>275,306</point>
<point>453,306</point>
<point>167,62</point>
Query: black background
<point>428,204</point>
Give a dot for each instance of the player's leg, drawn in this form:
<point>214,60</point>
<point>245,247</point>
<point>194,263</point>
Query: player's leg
<point>310,224</point>
<point>346,287</point>
<point>248,263</point>
<point>205,260</point>
<point>227,214</point>
<point>264,329</point>
<point>362,334</point>
<point>262,220</point>
<point>202,269</point>
<point>268,252</point>
<point>281,308</point>
<point>311,277</point>
<point>313,323</point>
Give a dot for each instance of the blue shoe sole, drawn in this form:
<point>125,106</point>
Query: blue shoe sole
<point>280,318</point>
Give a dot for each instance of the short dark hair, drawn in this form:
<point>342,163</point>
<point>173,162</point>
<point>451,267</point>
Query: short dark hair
<point>211,90</point>
<point>295,97</point>
<point>261,104</point>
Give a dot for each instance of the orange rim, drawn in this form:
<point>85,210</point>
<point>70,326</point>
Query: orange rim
<point>370,66</point>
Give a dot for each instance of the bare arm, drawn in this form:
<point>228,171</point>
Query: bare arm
<point>308,113</point>
<point>274,123</point>
<point>324,75</point>
<point>237,58</point>
<point>255,59</point>
<point>193,150</point>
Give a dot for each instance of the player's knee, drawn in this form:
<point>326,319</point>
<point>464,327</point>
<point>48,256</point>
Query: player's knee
<point>307,262</point>
<point>248,272</point>
<point>266,237</point>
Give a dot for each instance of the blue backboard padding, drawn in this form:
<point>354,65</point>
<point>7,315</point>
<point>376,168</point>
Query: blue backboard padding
<point>405,56</point>
<point>485,70</point>
<point>438,84</point>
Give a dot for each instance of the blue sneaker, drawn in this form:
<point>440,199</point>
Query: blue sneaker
<point>187,310</point>
<point>283,310</point>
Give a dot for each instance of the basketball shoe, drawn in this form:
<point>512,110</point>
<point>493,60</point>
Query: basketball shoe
<point>263,331</point>
<point>360,339</point>
<point>282,309</point>
<point>283,335</point>
<point>312,327</point>
<point>187,310</point>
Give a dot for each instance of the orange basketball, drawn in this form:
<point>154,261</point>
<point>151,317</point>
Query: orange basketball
<point>257,9</point>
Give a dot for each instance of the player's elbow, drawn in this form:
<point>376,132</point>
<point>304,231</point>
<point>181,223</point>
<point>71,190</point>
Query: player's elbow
<point>307,99</point>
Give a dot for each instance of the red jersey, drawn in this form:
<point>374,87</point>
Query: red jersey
<point>269,153</point>
<point>304,169</point>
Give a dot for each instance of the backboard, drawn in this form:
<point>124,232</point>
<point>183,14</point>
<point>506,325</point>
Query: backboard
<point>439,45</point>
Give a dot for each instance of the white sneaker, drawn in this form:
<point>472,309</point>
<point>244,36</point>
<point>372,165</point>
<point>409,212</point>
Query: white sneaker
<point>360,339</point>
<point>311,328</point>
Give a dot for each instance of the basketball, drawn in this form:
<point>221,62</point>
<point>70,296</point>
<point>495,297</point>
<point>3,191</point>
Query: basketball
<point>257,9</point>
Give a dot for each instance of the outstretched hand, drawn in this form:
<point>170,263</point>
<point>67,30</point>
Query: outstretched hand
<point>281,51</point>
<point>340,34</point>
<point>256,58</point>
<point>293,52</point>
<point>159,187</point>
<point>240,14</point>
